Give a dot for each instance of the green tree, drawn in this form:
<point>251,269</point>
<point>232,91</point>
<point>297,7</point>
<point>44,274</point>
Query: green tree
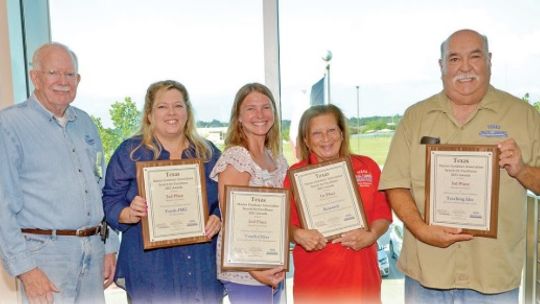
<point>107,138</point>
<point>534,104</point>
<point>125,117</point>
<point>285,129</point>
<point>376,125</point>
<point>126,122</point>
<point>211,124</point>
<point>373,123</point>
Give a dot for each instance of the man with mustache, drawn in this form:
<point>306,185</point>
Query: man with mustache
<point>51,174</point>
<point>445,265</point>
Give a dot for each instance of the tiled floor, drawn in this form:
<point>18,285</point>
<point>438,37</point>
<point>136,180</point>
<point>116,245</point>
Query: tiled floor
<point>115,295</point>
<point>392,292</point>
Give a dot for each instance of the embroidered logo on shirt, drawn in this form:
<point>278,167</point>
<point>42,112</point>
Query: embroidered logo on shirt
<point>364,178</point>
<point>493,130</point>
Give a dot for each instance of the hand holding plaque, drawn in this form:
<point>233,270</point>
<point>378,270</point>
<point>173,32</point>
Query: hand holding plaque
<point>327,197</point>
<point>462,187</point>
<point>256,228</point>
<point>175,192</point>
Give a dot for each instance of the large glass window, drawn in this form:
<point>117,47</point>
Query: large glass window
<point>378,57</point>
<point>212,47</point>
<point>385,58</point>
<point>385,53</point>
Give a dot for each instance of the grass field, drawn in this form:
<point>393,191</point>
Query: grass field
<point>374,147</point>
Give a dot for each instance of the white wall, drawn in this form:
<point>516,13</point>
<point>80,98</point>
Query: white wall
<point>8,285</point>
<point>6,83</point>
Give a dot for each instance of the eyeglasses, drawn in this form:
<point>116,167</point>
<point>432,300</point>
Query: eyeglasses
<point>56,75</point>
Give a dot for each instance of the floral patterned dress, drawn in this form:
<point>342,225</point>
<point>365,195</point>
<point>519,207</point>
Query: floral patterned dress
<point>240,158</point>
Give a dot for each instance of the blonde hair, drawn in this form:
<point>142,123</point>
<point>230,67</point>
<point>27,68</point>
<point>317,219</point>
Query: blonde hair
<point>150,141</point>
<point>235,133</point>
<point>304,131</point>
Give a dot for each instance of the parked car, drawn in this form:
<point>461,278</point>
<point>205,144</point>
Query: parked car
<point>382,257</point>
<point>396,238</point>
<point>384,239</point>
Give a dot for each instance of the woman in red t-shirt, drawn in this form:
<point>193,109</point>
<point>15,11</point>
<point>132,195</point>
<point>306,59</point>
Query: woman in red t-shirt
<point>343,270</point>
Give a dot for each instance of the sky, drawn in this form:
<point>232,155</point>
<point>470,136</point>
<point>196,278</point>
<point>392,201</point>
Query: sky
<point>389,49</point>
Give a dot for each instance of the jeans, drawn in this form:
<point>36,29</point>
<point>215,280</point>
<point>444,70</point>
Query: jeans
<point>416,293</point>
<point>74,264</point>
<point>247,294</point>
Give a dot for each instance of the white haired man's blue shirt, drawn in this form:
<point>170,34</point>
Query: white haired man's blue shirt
<point>51,177</point>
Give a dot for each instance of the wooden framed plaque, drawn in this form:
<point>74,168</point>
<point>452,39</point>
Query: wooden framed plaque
<point>255,231</point>
<point>462,187</point>
<point>327,197</point>
<point>175,192</point>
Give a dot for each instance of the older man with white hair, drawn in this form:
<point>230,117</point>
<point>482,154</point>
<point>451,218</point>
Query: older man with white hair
<point>51,224</point>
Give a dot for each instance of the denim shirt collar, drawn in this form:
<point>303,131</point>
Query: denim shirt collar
<point>35,104</point>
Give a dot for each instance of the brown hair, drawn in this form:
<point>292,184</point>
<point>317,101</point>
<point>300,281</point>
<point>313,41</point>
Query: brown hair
<point>314,111</point>
<point>235,134</point>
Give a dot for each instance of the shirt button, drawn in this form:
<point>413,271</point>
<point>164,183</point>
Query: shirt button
<point>80,170</point>
<point>73,150</point>
<point>189,273</point>
<point>88,213</point>
<point>86,191</point>
<point>189,257</point>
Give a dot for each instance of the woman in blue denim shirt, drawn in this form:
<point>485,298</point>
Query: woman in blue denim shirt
<point>181,274</point>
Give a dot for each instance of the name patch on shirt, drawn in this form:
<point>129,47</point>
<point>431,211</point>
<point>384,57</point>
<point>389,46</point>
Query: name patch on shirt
<point>493,130</point>
<point>364,178</point>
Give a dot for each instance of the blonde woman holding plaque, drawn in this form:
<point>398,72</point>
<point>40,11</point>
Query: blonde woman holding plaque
<point>251,158</point>
<point>180,274</point>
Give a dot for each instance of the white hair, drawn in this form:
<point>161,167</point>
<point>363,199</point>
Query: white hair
<point>36,58</point>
